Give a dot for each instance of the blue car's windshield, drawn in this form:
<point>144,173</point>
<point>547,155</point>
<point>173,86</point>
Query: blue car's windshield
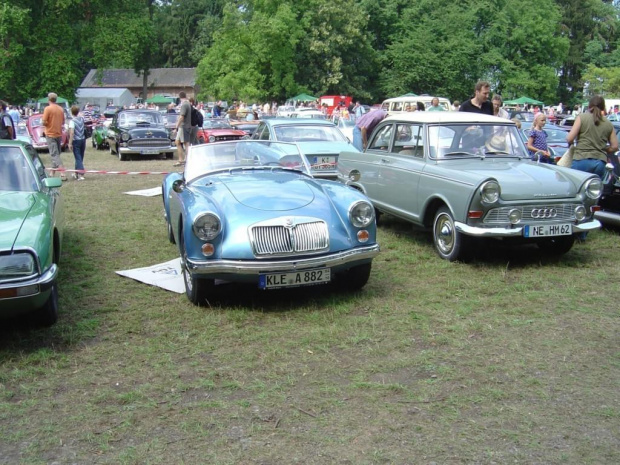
<point>243,154</point>
<point>309,133</point>
<point>15,172</point>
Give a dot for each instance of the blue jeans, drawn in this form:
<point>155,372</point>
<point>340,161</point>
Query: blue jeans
<point>357,139</point>
<point>590,165</point>
<point>79,148</point>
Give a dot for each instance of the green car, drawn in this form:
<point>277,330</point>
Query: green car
<point>99,138</point>
<point>30,235</point>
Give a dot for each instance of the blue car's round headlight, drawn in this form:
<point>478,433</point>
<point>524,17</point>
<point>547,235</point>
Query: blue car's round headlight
<point>361,214</point>
<point>207,226</point>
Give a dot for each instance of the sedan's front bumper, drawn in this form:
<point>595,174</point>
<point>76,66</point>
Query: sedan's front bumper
<point>516,231</point>
<point>21,297</point>
<point>146,150</point>
<point>256,267</point>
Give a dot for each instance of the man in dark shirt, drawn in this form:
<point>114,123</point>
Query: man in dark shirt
<point>480,102</point>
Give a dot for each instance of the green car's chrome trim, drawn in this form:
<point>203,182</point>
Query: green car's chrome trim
<point>256,267</point>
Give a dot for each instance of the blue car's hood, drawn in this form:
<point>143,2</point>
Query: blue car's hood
<point>518,179</point>
<point>298,193</point>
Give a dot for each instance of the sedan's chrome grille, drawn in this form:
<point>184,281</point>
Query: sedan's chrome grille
<point>148,143</point>
<point>287,239</point>
<point>533,213</point>
<point>224,138</point>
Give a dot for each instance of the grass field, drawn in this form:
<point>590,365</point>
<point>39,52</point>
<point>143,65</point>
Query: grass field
<point>513,358</point>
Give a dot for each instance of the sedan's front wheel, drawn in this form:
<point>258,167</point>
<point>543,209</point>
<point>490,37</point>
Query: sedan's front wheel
<point>449,243</point>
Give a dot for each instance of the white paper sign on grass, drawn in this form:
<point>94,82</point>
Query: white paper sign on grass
<point>165,275</point>
<point>152,192</point>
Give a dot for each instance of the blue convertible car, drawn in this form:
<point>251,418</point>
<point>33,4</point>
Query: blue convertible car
<point>249,211</point>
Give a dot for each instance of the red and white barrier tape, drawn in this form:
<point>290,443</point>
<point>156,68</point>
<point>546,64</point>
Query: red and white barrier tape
<point>62,170</point>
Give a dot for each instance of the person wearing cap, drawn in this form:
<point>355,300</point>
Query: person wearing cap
<point>53,120</point>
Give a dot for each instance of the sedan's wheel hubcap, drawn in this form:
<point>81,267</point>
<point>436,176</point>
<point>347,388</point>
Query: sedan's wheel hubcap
<point>445,234</point>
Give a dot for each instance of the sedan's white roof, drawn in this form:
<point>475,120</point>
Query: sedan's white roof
<point>446,117</point>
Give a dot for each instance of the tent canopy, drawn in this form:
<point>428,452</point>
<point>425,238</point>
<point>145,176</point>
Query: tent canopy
<point>304,98</point>
<point>58,100</point>
<point>160,99</point>
<point>523,101</point>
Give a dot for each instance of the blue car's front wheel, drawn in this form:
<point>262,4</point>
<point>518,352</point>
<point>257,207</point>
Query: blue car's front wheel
<point>197,289</point>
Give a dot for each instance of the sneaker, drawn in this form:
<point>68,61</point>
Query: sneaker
<point>75,176</point>
<point>80,178</point>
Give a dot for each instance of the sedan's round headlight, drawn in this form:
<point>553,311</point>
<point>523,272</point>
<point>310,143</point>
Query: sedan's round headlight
<point>207,226</point>
<point>514,216</point>
<point>580,212</point>
<point>490,191</point>
<point>361,214</point>
<point>124,137</point>
<point>211,138</point>
<point>594,188</point>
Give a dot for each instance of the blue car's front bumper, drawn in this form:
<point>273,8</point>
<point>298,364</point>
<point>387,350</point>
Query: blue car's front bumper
<point>336,260</point>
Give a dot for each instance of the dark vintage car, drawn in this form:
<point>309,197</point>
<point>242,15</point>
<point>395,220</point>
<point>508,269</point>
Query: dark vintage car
<point>137,133</point>
<point>111,110</point>
<point>37,133</point>
<point>31,221</point>
<point>249,212</point>
<point>219,130</point>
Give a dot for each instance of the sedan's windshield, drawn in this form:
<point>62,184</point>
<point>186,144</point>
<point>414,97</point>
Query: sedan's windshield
<point>463,140</point>
<point>15,172</point>
<point>309,133</point>
<point>243,155</point>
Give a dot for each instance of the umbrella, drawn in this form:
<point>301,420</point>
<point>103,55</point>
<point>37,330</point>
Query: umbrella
<point>58,100</point>
<point>523,101</point>
<point>304,98</point>
<point>160,99</point>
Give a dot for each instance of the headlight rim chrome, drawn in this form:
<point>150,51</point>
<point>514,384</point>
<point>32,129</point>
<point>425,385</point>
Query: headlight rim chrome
<point>489,198</point>
<point>599,187</point>
<point>354,216</point>
<point>199,231</point>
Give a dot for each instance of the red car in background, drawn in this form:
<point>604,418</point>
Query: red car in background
<point>218,130</point>
<point>36,131</point>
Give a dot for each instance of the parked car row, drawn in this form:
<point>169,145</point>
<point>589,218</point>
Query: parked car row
<point>267,211</point>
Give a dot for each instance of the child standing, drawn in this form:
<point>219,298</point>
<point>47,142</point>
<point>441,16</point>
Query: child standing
<point>537,142</point>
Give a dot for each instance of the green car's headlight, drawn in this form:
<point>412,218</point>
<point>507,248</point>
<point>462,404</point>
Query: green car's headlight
<point>490,192</point>
<point>594,188</point>
<point>361,214</point>
<point>207,226</point>
<point>19,265</point>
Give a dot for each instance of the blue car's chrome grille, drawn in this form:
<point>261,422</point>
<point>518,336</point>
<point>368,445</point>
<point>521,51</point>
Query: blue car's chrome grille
<point>289,237</point>
<point>533,213</point>
<point>148,143</point>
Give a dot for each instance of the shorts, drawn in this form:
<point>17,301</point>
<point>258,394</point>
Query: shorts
<point>184,134</point>
<point>53,144</point>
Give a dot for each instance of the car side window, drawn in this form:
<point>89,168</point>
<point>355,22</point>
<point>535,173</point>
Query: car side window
<point>264,135</point>
<point>36,161</point>
<point>382,138</point>
<point>409,140</point>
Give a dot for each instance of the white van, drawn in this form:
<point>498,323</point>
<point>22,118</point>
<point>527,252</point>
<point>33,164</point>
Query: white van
<point>398,104</point>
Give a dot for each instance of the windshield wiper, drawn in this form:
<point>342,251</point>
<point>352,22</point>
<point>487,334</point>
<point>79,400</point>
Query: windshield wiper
<point>460,153</point>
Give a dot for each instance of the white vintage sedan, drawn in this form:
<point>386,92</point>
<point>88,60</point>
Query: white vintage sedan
<point>466,175</point>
